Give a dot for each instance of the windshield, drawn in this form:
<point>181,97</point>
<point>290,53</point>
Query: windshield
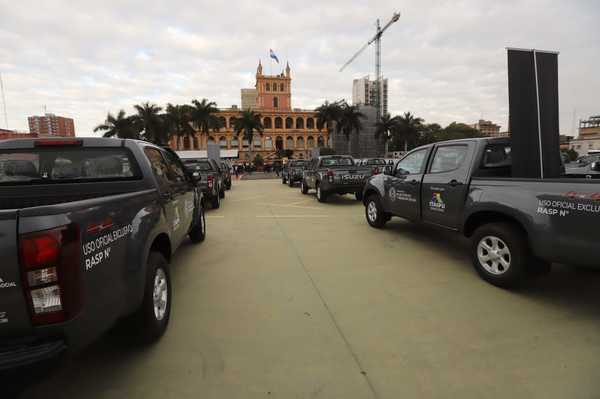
<point>376,162</point>
<point>337,161</point>
<point>66,165</point>
<point>202,166</point>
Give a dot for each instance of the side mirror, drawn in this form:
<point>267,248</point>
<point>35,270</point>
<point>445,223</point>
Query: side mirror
<point>196,176</point>
<point>595,166</point>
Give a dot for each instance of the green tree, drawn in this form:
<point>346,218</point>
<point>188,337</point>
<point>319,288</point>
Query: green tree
<point>456,131</point>
<point>121,126</point>
<point>408,131</point>
<point>151,123</point>
<point>385,128</point>
<point>328,115</point>
<point>204,116</point>
<point>179,118</point>
<point>572,155</point>
<point>258,160</point>
<point>350,122</point>
<point>246,125</point>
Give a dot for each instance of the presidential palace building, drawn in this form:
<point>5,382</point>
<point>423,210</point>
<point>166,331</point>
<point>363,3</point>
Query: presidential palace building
<point>284,127</point>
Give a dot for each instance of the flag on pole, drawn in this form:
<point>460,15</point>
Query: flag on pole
<point>272,55</point>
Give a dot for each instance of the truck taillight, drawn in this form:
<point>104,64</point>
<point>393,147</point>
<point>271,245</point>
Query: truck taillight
<point>211,180</point>
<point>376,170</point>
<point>329,175</point>
<point>50,262</point>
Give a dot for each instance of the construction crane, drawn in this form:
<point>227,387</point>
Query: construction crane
<point>377,40</point>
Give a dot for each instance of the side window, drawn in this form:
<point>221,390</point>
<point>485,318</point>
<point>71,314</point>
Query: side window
<point>177,174</point>
<point>448,158</point>
<point>412,164</point>
<point>159,166</point>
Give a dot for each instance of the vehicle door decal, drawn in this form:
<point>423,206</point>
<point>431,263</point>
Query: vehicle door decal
<point>437,203</point>
<point>98,250</point>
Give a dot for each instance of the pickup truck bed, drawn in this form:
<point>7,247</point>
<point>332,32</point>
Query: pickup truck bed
<point>517,225</point>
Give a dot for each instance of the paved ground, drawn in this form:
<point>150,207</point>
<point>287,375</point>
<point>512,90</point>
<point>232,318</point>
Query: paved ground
<point>289,298</point>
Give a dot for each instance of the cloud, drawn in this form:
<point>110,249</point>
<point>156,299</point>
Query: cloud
<point>445,59</point>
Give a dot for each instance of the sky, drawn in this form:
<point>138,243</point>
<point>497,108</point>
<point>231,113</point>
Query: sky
<point>445,60</point>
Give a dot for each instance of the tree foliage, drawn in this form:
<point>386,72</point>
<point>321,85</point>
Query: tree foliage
<point>121,126</point>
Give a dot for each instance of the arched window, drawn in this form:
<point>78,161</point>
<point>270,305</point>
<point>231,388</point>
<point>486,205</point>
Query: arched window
<point>320,141</point>
<point>267,124</point>
<point>300,142</point>
<point>310,142</point>
<point>278,123</point>
<point>301,156</point>
<point>223,122</point>
<point>211,139</point>
<point>223,143</point>
<point>310,123</point>
<point>257,142</point>
<point>234,142</point>
<point>275,102</point>
<point>289,123</point>
<point>268,86</point>
<point>281,87</point>
<point>289,143</point>
<point>268,143</point>
<point>279,143</point>
<point>245,144</point>
<point>299,123</point>
<point>274,86</point>
<point>186,143</point>
<point>232,122</point>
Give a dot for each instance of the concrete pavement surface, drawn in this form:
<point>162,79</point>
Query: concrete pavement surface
<point>290,298</point>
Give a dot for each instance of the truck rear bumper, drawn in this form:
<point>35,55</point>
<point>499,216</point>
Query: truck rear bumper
<point>343,188</point>
<point>26,353</point>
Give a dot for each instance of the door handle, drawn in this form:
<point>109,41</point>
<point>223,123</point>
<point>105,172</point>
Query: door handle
<point>414,182</point>
<point>455,183</point>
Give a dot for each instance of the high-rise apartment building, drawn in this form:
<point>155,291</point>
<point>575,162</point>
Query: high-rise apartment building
<point>364,92</point>
<point>51,125</point>
<point>488,128</point>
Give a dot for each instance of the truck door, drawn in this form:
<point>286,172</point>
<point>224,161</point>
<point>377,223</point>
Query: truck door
<point>161,171</point>
<point>402,188</point>
<point>445,185</point>
<point>183,197</point>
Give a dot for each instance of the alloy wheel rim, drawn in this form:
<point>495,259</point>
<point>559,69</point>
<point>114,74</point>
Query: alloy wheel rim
<point>494,255</point>
<point>160,295</point>
<point>202,221</point>
<point>319,192</point>
<point>372,211</point>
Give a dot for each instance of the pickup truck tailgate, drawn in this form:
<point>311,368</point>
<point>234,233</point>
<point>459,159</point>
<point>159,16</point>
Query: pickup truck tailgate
<point>14,313</point>
<point>351,175</point>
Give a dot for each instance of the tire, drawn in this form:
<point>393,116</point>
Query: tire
<point>303,187</point>
<point>358,195</point>
<point>152,318</point>
<point>215,202</point>
<point>321,195</point>
<point>505,247</point>
<point>221,192</point>
<point>228,185</point>
<point>283,181</point>
<point>290,183</point>
<point>198,232</point>
<point>376,216</point>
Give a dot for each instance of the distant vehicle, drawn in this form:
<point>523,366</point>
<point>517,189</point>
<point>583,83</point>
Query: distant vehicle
<point>334,174</point>
<point>87,230</point>
<point>517,226</point>
<point>209,179</point>
<point>226,171</point>
<point>292,172</point>
<point>377,165</point>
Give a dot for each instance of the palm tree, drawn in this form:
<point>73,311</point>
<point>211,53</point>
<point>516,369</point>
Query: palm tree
<point>179,120</point>
<point>120,126</point>
<point>350,122</point>
<point>385,128</point>
<point>203,116</point>
<point>245,125</point>
<point>152,123</point>
<point>328,114</point>
<point>409,128</point>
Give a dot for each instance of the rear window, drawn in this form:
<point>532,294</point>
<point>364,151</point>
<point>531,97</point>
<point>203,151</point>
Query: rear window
<point>203,166</point>
<point>497,156</point>
<point>376,162</point>
<point>54,165</point>
<point>328,162</point>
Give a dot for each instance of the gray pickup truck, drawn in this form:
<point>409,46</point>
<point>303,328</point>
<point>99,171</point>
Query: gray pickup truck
<point>292,172</point>
<point>518,226</point>
<point>334,174</point>
<point>87,231</point>
<point>209,178</point>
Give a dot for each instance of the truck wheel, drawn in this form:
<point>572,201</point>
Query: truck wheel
<point>222,193</point>
<point>155,311</point>
<point>228,185</point>
<point>215,202</point>
<point>283,181</point>
<point>376,216</point>
<point>198,232</point>
<point>303,187</point>
<point>290,183</point>
<point>358,195</point>
<point>321,195</point>
<point>500,254</point>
